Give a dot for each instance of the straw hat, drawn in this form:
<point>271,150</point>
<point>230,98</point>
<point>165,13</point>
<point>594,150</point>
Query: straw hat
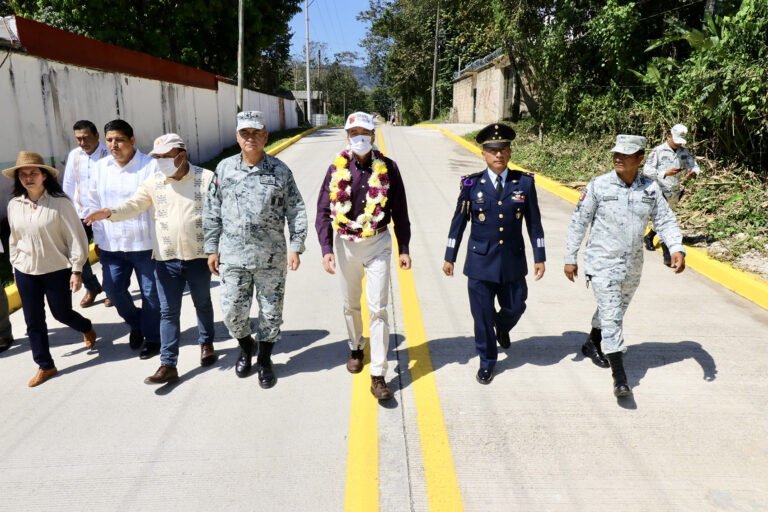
<point>29,159</point>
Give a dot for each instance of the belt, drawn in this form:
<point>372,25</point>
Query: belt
<point>381,230</point>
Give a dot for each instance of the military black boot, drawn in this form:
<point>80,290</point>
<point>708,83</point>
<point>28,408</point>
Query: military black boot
<point>667,256</point>
<point>620,384</point>
<point>648,240</point>
<point>243,364</point>
<point>264,363</point>
<point>591,348</point>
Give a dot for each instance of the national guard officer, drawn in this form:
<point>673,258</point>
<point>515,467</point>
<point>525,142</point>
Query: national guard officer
<point>665,165</point>
<point>247,206</point>
<point>617,206</point>
<point>496,200</point>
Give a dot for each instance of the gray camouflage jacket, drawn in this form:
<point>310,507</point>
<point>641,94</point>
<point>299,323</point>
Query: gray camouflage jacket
<point>246,211</point>
<point>618,216</point>
<point>664,158</point>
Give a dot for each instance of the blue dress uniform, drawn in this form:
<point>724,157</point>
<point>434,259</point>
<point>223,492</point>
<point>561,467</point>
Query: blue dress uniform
<point>496,263</point>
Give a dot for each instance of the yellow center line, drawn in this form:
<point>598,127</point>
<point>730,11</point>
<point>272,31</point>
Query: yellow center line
<point>442,485</point>
<point>362,486</point>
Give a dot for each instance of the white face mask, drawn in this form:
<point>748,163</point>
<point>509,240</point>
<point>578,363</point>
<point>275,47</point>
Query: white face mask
<point>360,144</point>
<point>167,166</point>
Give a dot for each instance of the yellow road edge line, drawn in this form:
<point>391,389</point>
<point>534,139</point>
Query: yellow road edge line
<point>362,486</point>
<point>14,300</point>
<point>443,491</point>
<point>750,287</point>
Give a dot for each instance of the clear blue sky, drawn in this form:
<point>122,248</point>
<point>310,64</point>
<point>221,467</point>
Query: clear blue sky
<point>332,22</point>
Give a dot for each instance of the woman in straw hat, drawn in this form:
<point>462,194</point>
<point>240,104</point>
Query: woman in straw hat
<point>47,249</point>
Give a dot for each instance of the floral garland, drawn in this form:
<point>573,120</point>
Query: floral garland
<point>341,201</point>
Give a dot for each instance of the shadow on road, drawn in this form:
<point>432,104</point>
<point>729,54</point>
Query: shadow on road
<point>644,356</point>
<point>551,350</point>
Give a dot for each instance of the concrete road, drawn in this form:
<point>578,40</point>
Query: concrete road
<point>547,434</point>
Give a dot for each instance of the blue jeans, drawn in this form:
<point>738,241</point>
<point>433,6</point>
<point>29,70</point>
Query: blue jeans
<point>55,287</point>
<point>117,268</point>
<point>90,281</point>
<point>172,276</point>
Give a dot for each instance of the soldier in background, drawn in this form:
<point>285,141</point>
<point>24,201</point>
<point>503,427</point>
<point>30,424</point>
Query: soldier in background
<point>669,164</point>
<point>247,206</point>
<point>81,166</point>
<point>616,206</point>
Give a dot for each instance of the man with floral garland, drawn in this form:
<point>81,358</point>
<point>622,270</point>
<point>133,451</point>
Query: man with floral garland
<point>362,191</point>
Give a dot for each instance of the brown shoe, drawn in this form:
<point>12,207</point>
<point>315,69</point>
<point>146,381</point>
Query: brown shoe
<point>207,355</point>
<point>355,361</point>
<point>163,375</point>
<point>42,376</point>
<point>379,388</point>
<point>89,338</point>
<point>108,303</point>
<point>89,297</point>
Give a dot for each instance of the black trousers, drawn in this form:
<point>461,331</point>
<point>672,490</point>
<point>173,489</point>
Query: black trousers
<point>54,286</point>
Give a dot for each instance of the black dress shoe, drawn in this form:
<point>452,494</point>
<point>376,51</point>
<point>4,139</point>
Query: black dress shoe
<point>149,350</point>
<point>243,364</point>
<point>266,375</point>
<point>135,339</point>
<point>502,336</point>
<point>484,376</point>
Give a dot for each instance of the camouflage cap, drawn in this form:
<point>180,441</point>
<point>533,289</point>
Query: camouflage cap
<point>678,133</point>
<point>250,119</point>
<point>628,144</point>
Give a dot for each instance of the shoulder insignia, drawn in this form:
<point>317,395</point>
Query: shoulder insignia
<point>469,180</point>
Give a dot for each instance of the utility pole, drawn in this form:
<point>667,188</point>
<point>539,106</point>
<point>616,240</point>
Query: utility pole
<point>344,112</point>
<point>309,89</point>
<point>240,56</point>
<point>434,65</point>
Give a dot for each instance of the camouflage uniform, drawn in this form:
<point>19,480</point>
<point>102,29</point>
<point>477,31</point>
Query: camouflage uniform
<point>613,259</point>
<point>664,158</point>
<point>244,221</point>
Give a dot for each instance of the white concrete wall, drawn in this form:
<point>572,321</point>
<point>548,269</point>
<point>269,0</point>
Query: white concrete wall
<point>40,100</point>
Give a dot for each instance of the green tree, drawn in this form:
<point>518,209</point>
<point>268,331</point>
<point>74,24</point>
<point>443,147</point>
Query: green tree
<point>198,33</point>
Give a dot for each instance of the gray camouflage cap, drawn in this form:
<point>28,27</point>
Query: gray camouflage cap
<point>628,144</point>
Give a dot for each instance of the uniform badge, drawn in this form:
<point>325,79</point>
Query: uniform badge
<point>517,215</point>
<point>267,179</point>
<point>481,217</point>
<point>214,185</point>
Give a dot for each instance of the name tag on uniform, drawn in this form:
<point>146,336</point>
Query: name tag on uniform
<point>610,198</point>
<point>649,199</point>
<point>267,179</point>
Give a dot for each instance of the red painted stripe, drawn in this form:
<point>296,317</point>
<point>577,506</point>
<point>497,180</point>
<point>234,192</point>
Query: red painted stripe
<point>54,44</point>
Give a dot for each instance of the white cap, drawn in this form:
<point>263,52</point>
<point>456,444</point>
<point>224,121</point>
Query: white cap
<point>360,119</point>
<point>678,133</point>
<point>250,119</point>
<point>165,143</point>
<point>628,144</point>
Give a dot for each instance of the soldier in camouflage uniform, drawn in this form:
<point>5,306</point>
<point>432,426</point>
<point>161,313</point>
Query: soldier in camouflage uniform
<point>665,165</point>
<point>616,207</point>
<point>248,204</point>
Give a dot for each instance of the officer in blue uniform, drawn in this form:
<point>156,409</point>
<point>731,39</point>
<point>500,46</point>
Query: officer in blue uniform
<point>496,201</point>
